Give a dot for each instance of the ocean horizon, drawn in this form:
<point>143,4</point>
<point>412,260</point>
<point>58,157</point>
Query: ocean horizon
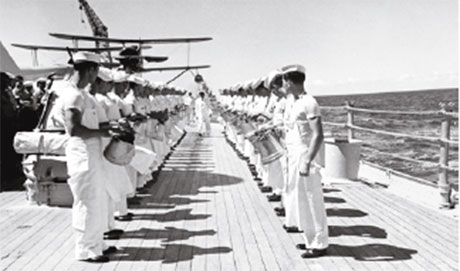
<point>375,146</point>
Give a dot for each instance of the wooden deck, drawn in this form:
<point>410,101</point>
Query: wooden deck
<point>206,213</point>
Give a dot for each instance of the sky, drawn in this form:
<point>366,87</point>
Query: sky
<point>347,46</point>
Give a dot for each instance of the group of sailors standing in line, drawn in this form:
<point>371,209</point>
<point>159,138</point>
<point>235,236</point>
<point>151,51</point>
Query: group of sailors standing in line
<point>279,107</point>
<point>96,107</point>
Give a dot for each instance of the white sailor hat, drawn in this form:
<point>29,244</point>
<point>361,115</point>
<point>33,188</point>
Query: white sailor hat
<point>293,68</point>
<point>83,56</point>
<point>237,86</point>
<point>105,74</point>
<point>271,78</point>
<point>135,79</point>
<point>157,85</point>
<point>119,76</point>
<point>246,85</point>
<point>256,83</point>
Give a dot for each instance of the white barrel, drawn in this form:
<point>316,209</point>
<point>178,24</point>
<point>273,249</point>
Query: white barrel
<point>342,158</point>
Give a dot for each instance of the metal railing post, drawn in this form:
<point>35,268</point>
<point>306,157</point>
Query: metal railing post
<point>443,181</point>
<point>349,120</point>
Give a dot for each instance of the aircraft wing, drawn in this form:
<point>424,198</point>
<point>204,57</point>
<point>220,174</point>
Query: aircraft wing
<point>146,58</point>
<point>34,73</point>
<point>110,65</point>
<point>7,64</point>
<point>175,68</point>
<point>73,49</point>
<point>155,58</point>
<point>139,41</point>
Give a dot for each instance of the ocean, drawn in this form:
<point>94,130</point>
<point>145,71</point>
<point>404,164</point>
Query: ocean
<point>375,146</point>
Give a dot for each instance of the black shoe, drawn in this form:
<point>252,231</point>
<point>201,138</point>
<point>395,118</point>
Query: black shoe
<point>111,236</point>
<point>291,229</point>
<point>314,253</point>
<point>134,201</point>
<point>274,197</point>
<point>280,213</point>
<point>142,190</point>
<point>279,209</point>
<point>97,259</point>
<point>110,250</point>
<point>123,218</point>
<point>115,231</point>
<point>301,247</point>
<point>266,189</point>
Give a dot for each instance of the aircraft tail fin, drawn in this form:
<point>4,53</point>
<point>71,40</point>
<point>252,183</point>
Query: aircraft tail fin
<point>7,63</point>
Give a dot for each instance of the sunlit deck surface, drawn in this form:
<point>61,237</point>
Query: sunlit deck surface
<point>206,213</point>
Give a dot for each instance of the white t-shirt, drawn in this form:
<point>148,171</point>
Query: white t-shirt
<point>303,109</point>
<point>122,105</point>
<point>110,106</point>
<point>80,99</point>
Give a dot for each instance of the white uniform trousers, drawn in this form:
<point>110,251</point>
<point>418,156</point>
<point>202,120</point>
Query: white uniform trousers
<point>86,184</point>
<point>305,202</point>
<point>273,176</point>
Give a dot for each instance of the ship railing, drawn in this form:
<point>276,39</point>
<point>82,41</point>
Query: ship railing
<point>444,140</point>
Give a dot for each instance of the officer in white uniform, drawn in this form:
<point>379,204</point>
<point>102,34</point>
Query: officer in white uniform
<point>84,156</point>
<point>304,190</point>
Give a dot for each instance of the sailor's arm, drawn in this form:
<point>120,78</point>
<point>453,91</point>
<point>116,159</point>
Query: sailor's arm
<point>73,119</point>
<point>317,138</point>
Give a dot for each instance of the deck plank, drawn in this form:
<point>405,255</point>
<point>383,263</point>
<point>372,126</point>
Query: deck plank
<point>18,251</point>
<point>42,244</point>
<point>418,239</point>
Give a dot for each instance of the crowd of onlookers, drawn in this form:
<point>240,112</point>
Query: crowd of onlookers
<point>21,108</point>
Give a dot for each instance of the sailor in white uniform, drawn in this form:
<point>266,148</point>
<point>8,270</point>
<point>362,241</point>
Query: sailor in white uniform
<point>304,190</point>
<point>202,113</point>
<point>139,106</point>
<point>117,179</point>
<point>84,156</point>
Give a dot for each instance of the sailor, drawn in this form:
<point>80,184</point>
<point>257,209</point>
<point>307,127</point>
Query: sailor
<point>188,99</point>
<point>84,156</point>
<point>175,103</point>
<point>157,123</point>
<point>291,221</point>
<point>240,105</point>
<point>272,172</point>
<point>275,109</point>
<point>202,113</point>
<point>304,190</point>
<point>117,180</point>
<point>119,92</point>
<point>138,106</point>
<point>164,107</point>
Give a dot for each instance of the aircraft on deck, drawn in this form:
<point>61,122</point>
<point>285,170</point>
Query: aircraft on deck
<point>136,54</point>
<point>130,57</point>
<point>7,64</point>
